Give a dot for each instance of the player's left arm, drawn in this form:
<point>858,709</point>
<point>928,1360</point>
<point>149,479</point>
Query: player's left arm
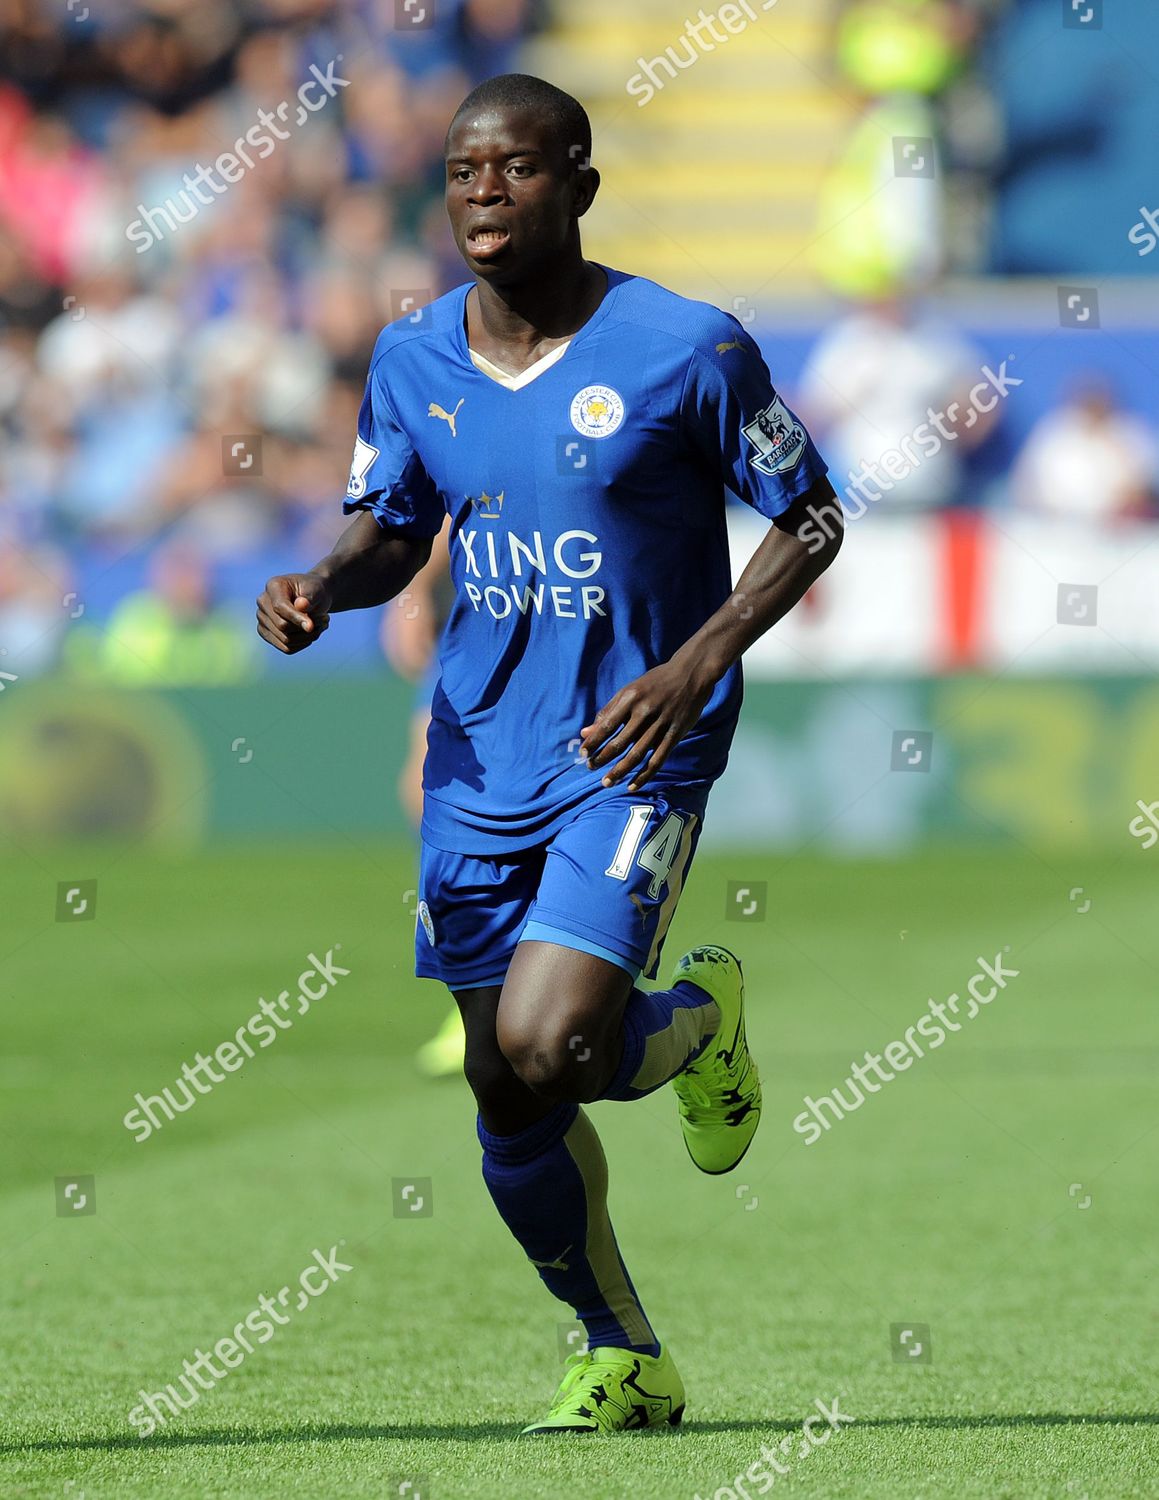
<point>764,454</point>
<point>799,546</point>
<point>653,714</point>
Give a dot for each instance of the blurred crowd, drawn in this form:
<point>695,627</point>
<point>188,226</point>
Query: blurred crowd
<point>249,314</point>
<point>964,96</point>
<point>179,397</point>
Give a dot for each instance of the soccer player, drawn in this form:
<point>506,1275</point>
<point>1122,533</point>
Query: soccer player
<point>579,425</point>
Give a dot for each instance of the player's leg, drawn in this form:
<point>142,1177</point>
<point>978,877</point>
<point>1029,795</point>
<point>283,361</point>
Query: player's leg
<point>542,1160</point>
<point>549,1182</point>
<point>546,1172</point>
<point>612,880</point>
<point>561,1025</point>
<point>576,1027</point>
<point>611,883</point>
<point>505,1104</point>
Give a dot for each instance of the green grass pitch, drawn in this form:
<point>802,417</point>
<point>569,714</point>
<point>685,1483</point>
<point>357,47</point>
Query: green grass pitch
<point>1001,1192</point>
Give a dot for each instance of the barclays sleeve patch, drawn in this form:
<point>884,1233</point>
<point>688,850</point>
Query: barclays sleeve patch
<point>364,456</point>
<point>777,437</point>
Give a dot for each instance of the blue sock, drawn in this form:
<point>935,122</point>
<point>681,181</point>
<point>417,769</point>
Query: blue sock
<point>550,1185</point>
<point>664,1030</point>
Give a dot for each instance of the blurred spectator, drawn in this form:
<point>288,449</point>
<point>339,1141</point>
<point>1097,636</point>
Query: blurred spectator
<point>147,325</point>
<point>902,46</point>
<point>172,634</point>
<point>50,188</point>
<point>887,375</point>
<point>1089,459</point>
<point>881,219</point>
<point>34,609</point>
<point>878,231</point>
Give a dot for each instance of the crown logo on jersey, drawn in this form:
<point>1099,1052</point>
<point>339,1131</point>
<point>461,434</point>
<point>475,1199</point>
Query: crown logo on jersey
<point>488,506</point>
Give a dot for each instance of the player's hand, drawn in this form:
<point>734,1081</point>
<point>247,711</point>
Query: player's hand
<point>643,722</point>
<point>293,611</point>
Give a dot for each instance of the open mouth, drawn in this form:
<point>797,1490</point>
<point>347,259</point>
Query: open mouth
<point>486,242</point>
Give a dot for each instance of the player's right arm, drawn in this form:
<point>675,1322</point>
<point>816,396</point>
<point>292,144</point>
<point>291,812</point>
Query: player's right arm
<point>368,565</point>
<point>397,514</point>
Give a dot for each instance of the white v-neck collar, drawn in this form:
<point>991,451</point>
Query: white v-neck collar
<point>525,377</point>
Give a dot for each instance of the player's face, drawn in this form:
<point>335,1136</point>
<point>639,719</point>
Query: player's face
<point>513,195</point>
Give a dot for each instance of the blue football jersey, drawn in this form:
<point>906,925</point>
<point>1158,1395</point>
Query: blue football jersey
<point>588,537</point>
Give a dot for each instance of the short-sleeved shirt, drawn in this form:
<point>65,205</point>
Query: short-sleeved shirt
<point>588,539</point>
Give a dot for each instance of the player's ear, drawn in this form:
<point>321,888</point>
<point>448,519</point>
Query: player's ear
<point>587,185</point>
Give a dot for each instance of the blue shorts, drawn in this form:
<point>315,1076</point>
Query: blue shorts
<point>607,883</point>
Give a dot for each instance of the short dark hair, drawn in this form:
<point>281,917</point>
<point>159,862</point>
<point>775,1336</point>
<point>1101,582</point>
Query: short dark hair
<point>567,116</point>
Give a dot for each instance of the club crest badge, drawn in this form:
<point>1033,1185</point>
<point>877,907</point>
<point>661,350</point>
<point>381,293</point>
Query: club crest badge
<point>597,411</point>
<point>777,436</point>
<point>428,925</point>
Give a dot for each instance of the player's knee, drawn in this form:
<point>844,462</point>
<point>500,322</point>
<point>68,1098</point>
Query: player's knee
<point>553,1057</point>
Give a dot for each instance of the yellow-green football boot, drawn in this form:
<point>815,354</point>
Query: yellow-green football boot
<point>614,1390</point>
<point>720,1093</point>
<point>442,1056</point>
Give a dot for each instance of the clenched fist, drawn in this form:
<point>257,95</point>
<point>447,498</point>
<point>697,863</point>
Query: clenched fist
<point>293,611</point>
